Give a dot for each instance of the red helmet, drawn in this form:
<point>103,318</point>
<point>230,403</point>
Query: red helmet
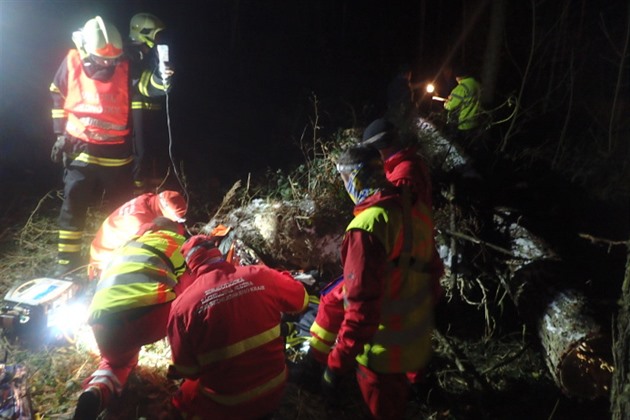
<point>199,249</point>
<point>173,205</point>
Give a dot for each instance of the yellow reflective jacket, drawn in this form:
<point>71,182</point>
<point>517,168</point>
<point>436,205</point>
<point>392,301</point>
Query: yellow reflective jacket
<point>141,273</point>
<point>403,340</point>
<point>463,104</point>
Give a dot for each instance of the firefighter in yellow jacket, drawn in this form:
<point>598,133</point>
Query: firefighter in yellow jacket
<point>130,308</point>
<point>91,118</point>
<point>463,103</point>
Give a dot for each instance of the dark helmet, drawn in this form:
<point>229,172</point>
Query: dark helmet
<point>380,134</point>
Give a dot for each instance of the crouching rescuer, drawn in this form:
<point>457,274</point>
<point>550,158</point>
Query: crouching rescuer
<point>377,318</point>
<point>130,309</point>
<point>224,332</point>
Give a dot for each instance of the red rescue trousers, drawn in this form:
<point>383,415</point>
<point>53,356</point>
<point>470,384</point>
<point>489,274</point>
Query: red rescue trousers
<point>119,341</point>
<point>384,394</point>
<point>192,404</point>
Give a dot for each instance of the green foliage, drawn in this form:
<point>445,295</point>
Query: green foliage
<point>316,179</point>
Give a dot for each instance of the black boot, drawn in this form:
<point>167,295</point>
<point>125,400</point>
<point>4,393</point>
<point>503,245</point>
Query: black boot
<point>89,405</point>
<point>306,372</point>
<point>68,268</point>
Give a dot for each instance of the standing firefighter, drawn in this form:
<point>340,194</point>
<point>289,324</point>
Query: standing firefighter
<point>91,98</point>
<point>225,337</point>
<point>130,309</point>
<point>406,169</point>
<point>463,104</point>
<point>383,327</point>
<point>150,131</point>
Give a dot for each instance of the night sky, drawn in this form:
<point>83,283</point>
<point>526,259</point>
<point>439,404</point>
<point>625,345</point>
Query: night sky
<point>246,73</point>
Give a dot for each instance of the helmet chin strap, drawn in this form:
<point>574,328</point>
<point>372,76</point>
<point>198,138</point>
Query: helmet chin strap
<point>96,72</point>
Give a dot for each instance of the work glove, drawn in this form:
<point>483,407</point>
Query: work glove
<point>330,387</point>
<point>172,373</point>
<point>58,149</point>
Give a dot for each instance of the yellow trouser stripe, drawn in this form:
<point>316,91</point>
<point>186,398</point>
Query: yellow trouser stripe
<point>248,395</point>
<point>69,247</point>
<point>70,234</point>
<point>84,157</point>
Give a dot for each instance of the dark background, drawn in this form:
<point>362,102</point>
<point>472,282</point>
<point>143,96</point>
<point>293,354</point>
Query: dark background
<point>247,72</point>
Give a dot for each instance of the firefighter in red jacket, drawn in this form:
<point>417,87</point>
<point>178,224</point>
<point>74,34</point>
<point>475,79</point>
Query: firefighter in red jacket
<point>406,169</point>
<point>91,106</point>
<point>130,309</point>
<point>124,222</point>
<point>384,326</point>
<point>224,332</point>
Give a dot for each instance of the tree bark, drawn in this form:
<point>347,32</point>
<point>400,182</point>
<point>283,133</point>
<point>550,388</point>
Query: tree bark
<point>620,393</point>
<point>492,57</point>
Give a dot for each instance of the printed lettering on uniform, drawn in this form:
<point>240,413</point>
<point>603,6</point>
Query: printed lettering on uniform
<point>227,292</point>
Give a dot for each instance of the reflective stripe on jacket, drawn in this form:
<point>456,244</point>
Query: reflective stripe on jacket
<point>243,356</point>
<point>463,103</point>
<point>122,225</point>
<point>141,273</point>
<point>97,112</point>
<point>403,340</point>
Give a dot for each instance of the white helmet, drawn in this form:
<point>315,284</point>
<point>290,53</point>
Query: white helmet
<point>143,27</point>
<point>100,39</point>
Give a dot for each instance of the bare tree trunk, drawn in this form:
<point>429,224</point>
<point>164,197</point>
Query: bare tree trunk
<point>492,55</point>
<point>620,393</point>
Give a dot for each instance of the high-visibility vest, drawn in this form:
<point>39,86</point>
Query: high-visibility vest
<point>98,112</point>
<point>403,340</point>
<point>141,273</point>
<point>463,104</point>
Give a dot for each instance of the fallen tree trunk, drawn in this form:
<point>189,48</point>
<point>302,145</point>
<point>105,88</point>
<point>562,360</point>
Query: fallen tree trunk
<point>575,349</point>
<point>285,234</point>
